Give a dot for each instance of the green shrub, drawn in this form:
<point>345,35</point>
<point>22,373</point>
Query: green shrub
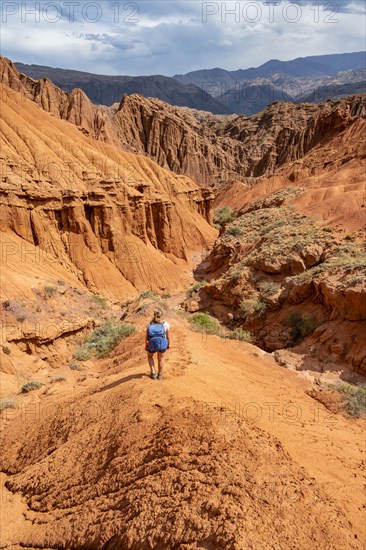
<point>259,307</point>
<point>241,334</point>
<point>102,340</point>
<point>166,295</point>
<point>147,294</point>
<point>236,271</point>
<point>356,281</point>
<point>351,237</point>
<point>195,288</point>
<point>58,379</point>
<point>250,307</point>
<point>268,288</point>
<point>301,326</point>
<point>21,318</point>
<point>49,291</point>
<point>99,301</point>
<point>354,398</point>
<point>7,404</point>
<point>75,366</point>
<point>30,386</point>
<point>234,231</point>
<point>223,216</point>
<point>6,350</point>
<point>205,322</point>
<point>83,353</point>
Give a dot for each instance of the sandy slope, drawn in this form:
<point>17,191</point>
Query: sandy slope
<point>227,452</point>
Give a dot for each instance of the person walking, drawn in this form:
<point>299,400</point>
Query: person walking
<point>157,341</point>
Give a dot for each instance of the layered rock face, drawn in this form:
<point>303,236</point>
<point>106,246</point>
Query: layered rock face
<point>217,150</point>
<point>99,210</point>
<point>210,149</point>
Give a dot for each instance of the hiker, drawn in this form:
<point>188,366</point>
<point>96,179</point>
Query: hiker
<point>157,340</point>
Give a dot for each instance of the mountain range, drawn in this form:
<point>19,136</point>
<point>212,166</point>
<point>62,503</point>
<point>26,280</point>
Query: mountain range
<point>106,90</point>
<point>313,66</point>
<point>245,91</point>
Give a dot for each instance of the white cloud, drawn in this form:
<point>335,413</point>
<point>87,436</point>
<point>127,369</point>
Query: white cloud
<point>168,37</point>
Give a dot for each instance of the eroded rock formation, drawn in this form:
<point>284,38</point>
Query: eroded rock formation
<point>94,207</point>
<point>210,149</point>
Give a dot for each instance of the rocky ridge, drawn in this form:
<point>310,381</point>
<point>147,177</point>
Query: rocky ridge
<point>210,149</point>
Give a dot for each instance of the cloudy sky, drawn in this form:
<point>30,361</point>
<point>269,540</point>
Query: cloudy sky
<point>169,37</point>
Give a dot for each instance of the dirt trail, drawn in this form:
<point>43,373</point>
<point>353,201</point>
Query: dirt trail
<point>222,383</point>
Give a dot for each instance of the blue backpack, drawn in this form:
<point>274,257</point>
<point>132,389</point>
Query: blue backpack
<point>156,337</point>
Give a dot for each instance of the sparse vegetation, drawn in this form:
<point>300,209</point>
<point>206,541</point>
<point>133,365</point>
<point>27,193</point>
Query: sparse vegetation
<point>204,321</point>
<point>49,291</point>
<point>30,386</point>
<point>351,237</point>
<point>7,404</point>
<point>241,334</point>
<point>234,231</point>
<point>223,216</point>
<point>356,281</point>
<point>268,288</point>
<point>354,398</point>
<point>278,232</point>
<point>147,294</point>
<point>99,301</point>
<point>6,350</point>
<point>75,366</point>
<point>250,307</point>
<point>301,326</point>
<point>277,198</point>
<point>102,340</point>
<point>195,288</point>
<point>237,271</point>
<point>21,318</point>
<point>58,379</point>
<point>83,353</point>
<point>166,295</point>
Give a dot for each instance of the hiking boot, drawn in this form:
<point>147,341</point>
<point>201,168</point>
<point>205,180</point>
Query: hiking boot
<point>153,375</point>
<point>160,376</point>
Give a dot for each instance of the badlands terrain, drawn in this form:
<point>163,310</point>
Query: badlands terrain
<point>249,233</point>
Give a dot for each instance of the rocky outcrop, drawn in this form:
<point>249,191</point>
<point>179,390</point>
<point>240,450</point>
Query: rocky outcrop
<point>74,107</point>
<point>210,149</point>
<point>108,214</point>
<point>174,138</point>
<point>285,132</point>
<point>280,276</point>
